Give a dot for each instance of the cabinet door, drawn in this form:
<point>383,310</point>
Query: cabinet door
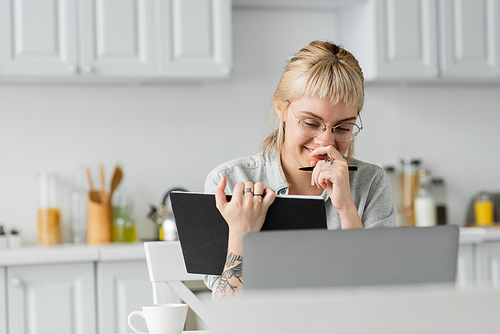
<point>392,39</point>
<point>488,264</point>
<point>465,266</point>
<point>470,38</point>
<point>407,35</point>
<point>38,37</point>
<point>51,299</point>
<point>3,302</point>
<point>195,38</point>
<point>123,287</point>
<point>117,38</point>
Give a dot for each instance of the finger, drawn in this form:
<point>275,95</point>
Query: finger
<point>269,196</point>
<point>324,178</point>
<point>220,195</point>
<point>248,192</point>
<point>238,191</point>
<point>329,151</point>
<point>258,189</point>
<point>316,172</point>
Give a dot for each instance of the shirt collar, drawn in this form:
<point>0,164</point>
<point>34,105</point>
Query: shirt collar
<point>278,182</point>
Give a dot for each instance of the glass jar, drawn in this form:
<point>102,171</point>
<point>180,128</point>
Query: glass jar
<point>409,182</point>
<point>123,223</point>
<point>79,209</point>
<point>49,217</point>
<point>439,194</point>
<point>483,207</point>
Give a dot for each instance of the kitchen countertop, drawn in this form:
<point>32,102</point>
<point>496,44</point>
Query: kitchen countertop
<point>475,235</point>
<point>71,253</point>
<point>114,252</point>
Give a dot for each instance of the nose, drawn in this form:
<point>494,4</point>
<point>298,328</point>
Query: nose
<point>326,138</point>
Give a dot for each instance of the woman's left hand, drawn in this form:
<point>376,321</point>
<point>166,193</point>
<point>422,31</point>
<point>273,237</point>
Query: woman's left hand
<point>334,176</point>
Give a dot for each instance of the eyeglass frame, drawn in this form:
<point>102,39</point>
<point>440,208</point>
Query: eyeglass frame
<point>325,126</point>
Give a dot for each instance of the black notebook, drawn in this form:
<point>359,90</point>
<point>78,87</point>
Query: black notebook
<point>203,232</point>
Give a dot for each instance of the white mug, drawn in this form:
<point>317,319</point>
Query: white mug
<point>162,318</point>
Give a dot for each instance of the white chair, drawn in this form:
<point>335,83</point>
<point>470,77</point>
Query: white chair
<point>167,272</point>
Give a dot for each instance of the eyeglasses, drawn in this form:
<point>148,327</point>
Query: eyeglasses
<point>313,127</point>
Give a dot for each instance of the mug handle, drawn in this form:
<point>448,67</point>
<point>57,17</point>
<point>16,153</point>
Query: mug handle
<point>139,313</point>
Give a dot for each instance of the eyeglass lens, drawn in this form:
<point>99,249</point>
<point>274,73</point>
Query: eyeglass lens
<point>312,127</point>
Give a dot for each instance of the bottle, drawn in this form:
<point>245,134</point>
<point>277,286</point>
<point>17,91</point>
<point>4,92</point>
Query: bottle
<point>79,209</point>
<point>439,194</point>
<point>409,182</point>
<point>123,223</point>
<point>3,238</point>
<point>49,217</point>
<point>168,230</point>
<point>483,207</point>
<point>396,190</point>
<point>424,204</point>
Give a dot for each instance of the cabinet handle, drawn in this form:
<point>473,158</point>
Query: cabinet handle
<point>16,282</point>
<point>72,69</point>
<point>88,69</point>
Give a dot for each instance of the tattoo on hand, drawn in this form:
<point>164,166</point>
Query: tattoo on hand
<point>231,279</point>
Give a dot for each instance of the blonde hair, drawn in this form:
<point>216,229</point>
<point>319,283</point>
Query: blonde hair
<point>322,70</point>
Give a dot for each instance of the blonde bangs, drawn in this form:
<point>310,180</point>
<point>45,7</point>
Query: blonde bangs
<point>327,80</point>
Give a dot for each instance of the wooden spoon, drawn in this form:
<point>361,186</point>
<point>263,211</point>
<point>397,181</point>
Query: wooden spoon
<point>103,185</point>
<point>117,177</point>
<point>92,193</point>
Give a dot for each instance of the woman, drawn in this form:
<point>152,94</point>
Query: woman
<point>317,101</point>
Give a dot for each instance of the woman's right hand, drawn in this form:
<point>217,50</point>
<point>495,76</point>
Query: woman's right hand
<point>247,210</point>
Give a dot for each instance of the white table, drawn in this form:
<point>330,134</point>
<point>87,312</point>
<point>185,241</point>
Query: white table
<point>385,310</point>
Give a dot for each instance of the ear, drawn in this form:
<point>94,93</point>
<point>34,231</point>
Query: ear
<point>279,107</point>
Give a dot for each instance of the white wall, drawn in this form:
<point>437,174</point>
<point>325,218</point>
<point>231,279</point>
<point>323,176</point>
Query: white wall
<point>173,135</point>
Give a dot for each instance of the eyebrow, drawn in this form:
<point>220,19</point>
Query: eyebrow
<point>310,113</point>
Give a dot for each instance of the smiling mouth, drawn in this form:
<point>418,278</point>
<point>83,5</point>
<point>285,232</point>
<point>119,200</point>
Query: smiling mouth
<point>323,156</point>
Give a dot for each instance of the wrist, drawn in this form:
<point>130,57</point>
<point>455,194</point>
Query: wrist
<point>349,217</point>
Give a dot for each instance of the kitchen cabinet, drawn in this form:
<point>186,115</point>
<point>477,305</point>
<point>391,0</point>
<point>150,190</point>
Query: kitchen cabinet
<point>115,39</point>
<point>51,299</point>
<point>391,39</point>
<point>122,287</point>
<point>469,38</point>
<point>194,38</point>
<point>465,266</point>
<point>398,40</point>
<point>3,302</point>
<point>488,260</point>
<point>38,37</point>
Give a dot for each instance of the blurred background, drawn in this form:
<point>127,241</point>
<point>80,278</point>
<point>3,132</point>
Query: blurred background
<point>171,134</point>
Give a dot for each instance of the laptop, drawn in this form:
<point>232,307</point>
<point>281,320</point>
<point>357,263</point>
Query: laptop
<point>203,232</point>
<point>359,257</point>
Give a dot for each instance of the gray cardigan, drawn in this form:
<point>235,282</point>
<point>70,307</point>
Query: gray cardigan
<point>370,188</point>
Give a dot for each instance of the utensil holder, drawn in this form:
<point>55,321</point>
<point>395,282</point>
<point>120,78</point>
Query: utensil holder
<point>99,221</point>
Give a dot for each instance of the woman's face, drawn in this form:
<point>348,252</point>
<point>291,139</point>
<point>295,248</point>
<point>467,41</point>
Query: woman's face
<point>297,147</point>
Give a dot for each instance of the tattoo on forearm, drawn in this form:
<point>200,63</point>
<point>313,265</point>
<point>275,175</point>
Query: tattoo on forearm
<point>230,279</point>
<point>231,258</point>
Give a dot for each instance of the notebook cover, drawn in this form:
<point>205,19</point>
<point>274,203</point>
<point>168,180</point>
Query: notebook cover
<point>203,232</point>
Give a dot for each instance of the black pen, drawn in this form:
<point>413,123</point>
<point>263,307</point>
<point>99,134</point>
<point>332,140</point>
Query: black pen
<point>310,169</point>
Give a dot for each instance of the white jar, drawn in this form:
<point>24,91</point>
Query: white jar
<point>425,211</point>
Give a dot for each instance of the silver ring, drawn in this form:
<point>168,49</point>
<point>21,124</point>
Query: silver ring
<point>248,190</point>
